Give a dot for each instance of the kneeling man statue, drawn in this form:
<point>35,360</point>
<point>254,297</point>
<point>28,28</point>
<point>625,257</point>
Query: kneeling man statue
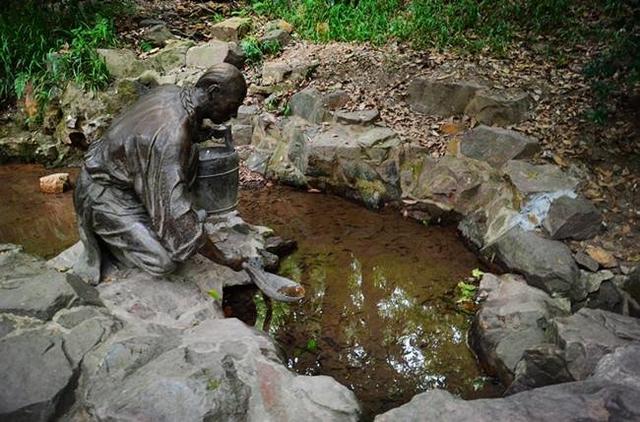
<point>133,197</point>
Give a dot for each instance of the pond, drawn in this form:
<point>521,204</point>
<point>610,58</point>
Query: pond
<point>380,315</point>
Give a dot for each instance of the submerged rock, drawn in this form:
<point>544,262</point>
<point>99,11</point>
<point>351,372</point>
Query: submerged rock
<point>54,183</point>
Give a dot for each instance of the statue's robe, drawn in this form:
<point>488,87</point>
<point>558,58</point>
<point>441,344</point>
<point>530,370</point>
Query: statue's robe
<point>132,196</point>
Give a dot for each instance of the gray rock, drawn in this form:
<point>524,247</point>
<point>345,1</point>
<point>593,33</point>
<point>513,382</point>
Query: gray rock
<point>590,282</point>
<point>496,146</point>
<point>218,370</point>
<point>309,105</point>
<point>594,400</point>
<point>173,56</point>
<point>275,72</point>
<point>157,35</point>
<point>546,264</point>
<point>334,100</point>
<point>241,134</point>
<point>363,117</point>
<point>493,107</point>
<point>35,375</point>
<point>585,261</point>
<point>441,97</point>
<point>572,218</point>
<point>232,29</point>
<point>212,53</point>
<point>122,63</point>
<point>530,178</point>
<point>589,334</point>
<point>29,288</point>
<point>279,36</point>
<point>513,318</point>
<point>540,366</point>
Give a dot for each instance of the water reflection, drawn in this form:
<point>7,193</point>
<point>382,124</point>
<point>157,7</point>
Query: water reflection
<point>379,315</point>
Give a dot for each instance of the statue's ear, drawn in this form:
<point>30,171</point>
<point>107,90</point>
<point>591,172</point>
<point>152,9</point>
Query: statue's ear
<point>213,88</point>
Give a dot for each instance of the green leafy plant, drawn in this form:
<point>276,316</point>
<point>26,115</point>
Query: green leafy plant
<point>213,293</point>
<point>466,292</point>
<point>252,50</point>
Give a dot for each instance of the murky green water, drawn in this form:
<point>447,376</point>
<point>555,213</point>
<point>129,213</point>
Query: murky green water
<point>380,313</point>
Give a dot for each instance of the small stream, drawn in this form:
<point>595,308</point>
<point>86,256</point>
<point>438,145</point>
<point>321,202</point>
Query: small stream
<point>380,314</point>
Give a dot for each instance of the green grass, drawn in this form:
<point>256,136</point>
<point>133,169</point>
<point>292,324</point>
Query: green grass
<point>255,50</point>
<point>42,45</point>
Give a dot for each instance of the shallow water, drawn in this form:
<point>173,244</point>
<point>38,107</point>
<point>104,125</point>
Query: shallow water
<point>44,224</point>
<point>380,313</point>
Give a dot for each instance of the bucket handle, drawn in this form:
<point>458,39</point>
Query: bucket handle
<point>224,132</point>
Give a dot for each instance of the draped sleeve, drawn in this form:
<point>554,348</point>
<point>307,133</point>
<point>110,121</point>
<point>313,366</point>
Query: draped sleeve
<point>168,167</point>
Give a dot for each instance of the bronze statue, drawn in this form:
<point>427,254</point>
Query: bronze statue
<point>133,197</point>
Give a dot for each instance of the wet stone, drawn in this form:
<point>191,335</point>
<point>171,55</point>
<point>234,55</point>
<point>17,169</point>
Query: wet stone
<point>512,319</point>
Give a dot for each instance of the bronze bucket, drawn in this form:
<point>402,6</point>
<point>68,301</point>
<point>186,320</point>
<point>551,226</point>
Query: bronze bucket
<point>216,186</point>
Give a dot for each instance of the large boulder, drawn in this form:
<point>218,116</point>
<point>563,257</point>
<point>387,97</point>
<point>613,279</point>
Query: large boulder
<point>496,146</point>
<point>173,56</point>
<point>218,370</point>
<point>499,107</point>
<point>214,52</point>
<point>513,318</point>
<point>546,264</point>
<point>572,218</point>
<point>611,394</point>
<point>442,97</point>
<point>589,334</point>
<point>122,63</point>
<point>232,29</point>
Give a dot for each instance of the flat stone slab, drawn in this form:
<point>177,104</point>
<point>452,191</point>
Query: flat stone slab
<point>363,117</point>
<point>496,146</point>
<point>29,288</point>
<point>530,178</point>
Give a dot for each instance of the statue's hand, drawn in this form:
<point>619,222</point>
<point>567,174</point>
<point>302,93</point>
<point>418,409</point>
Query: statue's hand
<point>211,251</point>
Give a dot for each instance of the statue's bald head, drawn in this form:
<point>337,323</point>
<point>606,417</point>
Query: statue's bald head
<point>227,75</point>
<point>223,89</point>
